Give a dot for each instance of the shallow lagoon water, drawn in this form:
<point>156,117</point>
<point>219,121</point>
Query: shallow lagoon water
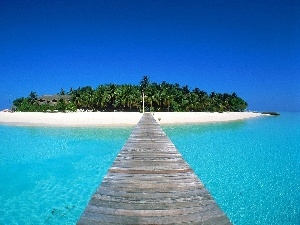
<point>251,167</point>
<point>47,175</point>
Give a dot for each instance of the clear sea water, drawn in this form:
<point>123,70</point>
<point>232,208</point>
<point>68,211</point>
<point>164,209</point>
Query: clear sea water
<point>251,167</point>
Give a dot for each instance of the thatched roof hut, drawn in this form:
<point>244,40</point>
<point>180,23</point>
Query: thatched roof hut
<point>53,99</point>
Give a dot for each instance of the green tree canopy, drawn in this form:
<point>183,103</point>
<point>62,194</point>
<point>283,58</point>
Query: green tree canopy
<point>164,97</point>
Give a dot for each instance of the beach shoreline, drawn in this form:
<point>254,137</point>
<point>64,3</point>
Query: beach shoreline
<point>100,119</point>
<point>179,118</point>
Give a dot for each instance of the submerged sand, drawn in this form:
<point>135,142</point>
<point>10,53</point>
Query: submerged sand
<point>92,119</point>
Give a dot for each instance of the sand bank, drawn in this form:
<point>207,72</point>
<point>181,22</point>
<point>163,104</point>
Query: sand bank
<point>92,119</point>
<point>78,119</point>
<point>201,117</point>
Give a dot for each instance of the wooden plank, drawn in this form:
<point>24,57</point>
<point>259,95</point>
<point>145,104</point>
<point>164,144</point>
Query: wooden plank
<point>150,183</point>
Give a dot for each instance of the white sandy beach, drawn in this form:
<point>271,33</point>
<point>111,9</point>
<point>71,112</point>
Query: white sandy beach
<point>93,119</point>
<point>201,117</point>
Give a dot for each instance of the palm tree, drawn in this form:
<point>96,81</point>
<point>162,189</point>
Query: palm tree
<point>33,97</point>
<point>159,97</point>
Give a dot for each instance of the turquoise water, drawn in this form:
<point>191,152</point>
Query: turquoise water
<point>251,167</point>
<point>47,175</point>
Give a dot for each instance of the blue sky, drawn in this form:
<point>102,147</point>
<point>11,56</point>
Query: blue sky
<point>248,47</point>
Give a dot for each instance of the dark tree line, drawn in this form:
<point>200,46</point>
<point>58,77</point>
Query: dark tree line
<point>164,97</point>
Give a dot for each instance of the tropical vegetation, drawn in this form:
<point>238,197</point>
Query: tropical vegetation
<point>159,97</point>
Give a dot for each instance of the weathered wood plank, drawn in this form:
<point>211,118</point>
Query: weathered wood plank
<point>150,183</point>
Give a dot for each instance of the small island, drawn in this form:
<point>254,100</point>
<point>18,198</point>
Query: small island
<point>271,113</point>
<point>158,97</point>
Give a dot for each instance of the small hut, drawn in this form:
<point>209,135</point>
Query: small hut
<point>53,99</point>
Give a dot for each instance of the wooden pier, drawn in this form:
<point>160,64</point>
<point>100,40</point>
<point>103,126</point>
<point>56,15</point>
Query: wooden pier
<point>150,183</point>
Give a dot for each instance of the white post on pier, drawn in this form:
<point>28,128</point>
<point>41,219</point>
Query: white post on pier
<point>143,102</point>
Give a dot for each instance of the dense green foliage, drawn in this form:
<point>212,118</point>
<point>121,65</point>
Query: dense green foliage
<point>158,97</point>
